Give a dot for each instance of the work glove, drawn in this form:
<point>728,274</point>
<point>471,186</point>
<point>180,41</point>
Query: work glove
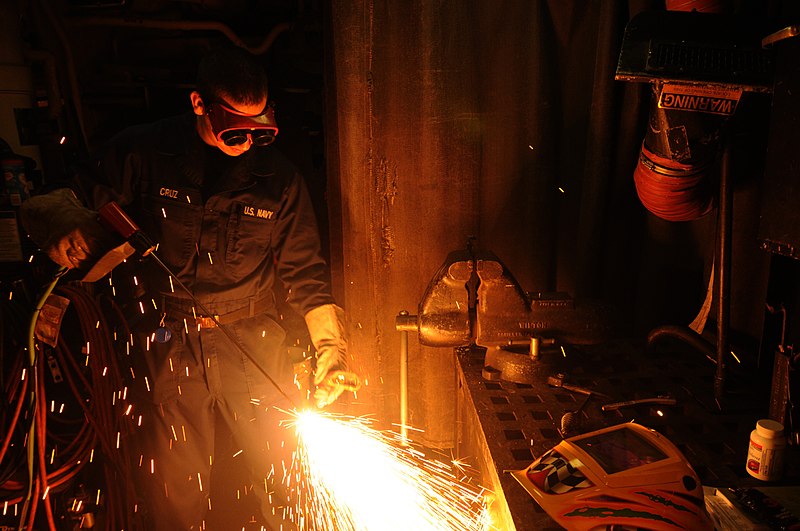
<point>64,229</point>
<point>326,328</point>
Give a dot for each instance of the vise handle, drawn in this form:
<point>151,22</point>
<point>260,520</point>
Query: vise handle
<point>557,380</point>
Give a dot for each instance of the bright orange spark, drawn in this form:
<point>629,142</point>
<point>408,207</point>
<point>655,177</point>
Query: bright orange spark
<point>354,477</point>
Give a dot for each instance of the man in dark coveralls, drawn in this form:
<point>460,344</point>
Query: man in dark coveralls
<point>229,215</point>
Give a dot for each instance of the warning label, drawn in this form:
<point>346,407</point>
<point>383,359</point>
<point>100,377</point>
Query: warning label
<point>699,99</point>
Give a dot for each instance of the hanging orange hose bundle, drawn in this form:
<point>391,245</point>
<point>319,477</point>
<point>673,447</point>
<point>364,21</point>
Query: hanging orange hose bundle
<point>676,174</point>
<point>671,190</point>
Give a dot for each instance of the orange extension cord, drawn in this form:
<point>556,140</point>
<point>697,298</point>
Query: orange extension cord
<point>104,421</point>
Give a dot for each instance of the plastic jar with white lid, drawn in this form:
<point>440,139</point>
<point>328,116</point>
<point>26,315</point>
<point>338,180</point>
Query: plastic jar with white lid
<point>766,451</point>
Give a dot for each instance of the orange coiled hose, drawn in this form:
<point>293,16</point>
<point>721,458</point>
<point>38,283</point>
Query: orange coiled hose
<point>671,190</point>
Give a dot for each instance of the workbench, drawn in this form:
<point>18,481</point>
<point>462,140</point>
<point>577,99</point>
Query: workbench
<point>502,426</point>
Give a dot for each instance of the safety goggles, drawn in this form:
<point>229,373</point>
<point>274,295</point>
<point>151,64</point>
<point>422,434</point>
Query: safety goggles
<point>232,127</point>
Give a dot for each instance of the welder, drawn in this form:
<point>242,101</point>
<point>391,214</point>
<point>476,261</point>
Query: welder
<point>230,216</point>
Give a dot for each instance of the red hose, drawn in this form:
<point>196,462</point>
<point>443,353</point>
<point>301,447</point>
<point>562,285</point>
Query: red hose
<point>671,190</point>
<point>41,442</point>
<point>20,401</point>
<point>102,421</point>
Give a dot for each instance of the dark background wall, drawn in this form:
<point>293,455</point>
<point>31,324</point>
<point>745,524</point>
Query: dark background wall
<point>503,121</point>
<point>419,124</point>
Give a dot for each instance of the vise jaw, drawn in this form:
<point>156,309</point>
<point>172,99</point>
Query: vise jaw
<point>474,299</point>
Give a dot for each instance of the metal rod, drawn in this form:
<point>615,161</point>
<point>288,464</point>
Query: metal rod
<point>404,382</point>
<point>725,221</point>
<point>224,329</point>
<point>118,221</point>
<point>665,401</point>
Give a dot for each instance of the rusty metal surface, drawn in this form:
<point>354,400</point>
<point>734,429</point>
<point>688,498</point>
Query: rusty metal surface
<point>505,425</point>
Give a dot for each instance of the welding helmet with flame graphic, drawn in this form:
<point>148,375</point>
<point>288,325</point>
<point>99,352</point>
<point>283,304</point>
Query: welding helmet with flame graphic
<point>623,477</point>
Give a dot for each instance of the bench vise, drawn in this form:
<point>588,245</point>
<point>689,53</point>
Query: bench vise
<point>474,299</point>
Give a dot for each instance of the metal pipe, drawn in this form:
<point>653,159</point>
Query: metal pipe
<point>185,25</point>
<point>72,76</point>
<point>404,381</point>
<point>725,221</point>
<point>685,334</point>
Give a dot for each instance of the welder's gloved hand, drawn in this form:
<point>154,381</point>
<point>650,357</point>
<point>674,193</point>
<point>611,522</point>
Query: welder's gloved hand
<point>64,229</point>
<point>326,327</point>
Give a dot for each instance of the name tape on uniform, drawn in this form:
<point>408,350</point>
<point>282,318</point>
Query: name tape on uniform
<point>257,212</point>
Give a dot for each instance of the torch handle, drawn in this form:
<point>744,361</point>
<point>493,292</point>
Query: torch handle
<point>117,220</point>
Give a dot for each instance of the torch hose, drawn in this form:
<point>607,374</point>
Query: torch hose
<point>222,327</point>
<point>118,221</point>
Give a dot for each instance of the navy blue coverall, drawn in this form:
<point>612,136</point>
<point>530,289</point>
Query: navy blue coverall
<point>227,227</point>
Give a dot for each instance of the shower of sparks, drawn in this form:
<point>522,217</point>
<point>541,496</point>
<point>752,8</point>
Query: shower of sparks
<point>354,477</point>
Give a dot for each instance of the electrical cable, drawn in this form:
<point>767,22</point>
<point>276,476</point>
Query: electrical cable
<point>105,380</point>
<point>101,420</point>
<point>41,421</point>
<point>34,388</point>
<point>14,420</point>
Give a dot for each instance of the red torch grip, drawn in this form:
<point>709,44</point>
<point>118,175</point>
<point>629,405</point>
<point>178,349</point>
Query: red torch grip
<point>118,220</point>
